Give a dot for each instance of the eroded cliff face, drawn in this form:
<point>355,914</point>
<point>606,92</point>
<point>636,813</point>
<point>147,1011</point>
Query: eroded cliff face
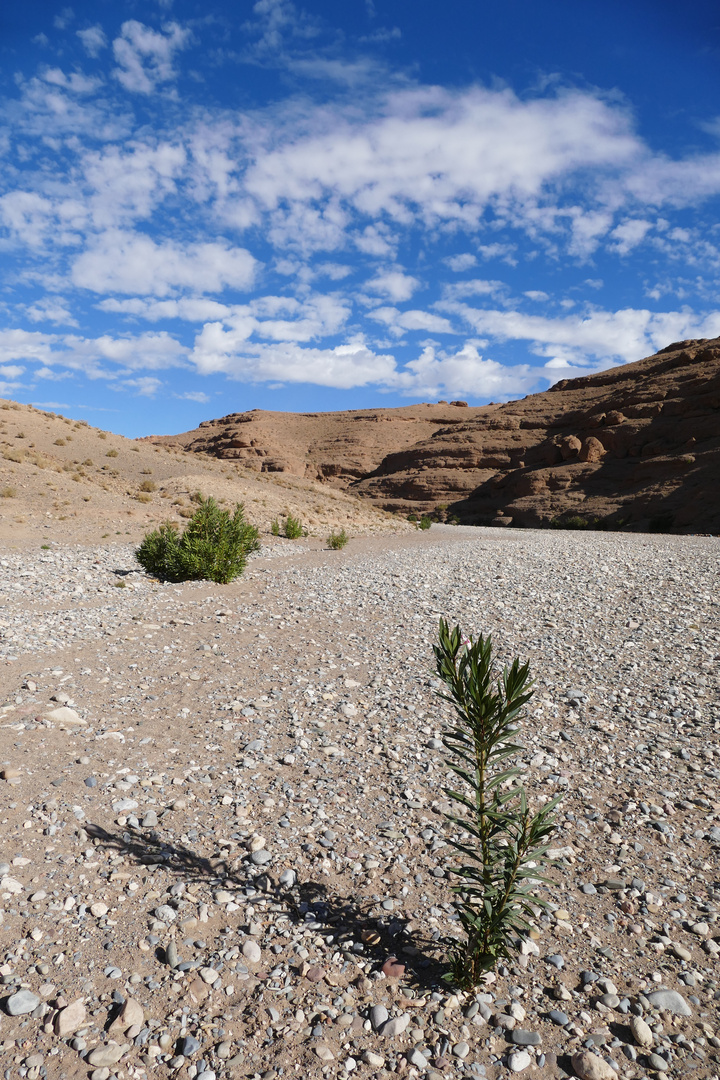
<point>338,448</point>
<point>638,444</point>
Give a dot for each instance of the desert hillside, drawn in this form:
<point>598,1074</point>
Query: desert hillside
<point>639,444</point>
<point>64,480</point>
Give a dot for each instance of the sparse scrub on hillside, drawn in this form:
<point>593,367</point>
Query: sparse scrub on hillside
<point>8,492</point>
<point>214,546</point>
<point>148,485</point>
<point>337,540</point>
<point>275,527</point>
<point>111,453</point>
<point>143,497</point>
<point>504,845</point>
<point>294,528</point>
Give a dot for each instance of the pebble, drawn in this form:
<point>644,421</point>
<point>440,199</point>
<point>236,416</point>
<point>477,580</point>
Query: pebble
<point>671,1000</point>
<point>559,1017</point>
<point>658,1063</point>
<point>589,1066</point>
<point>21,1003</point>
<point>376,1061</point>
<point>378,1016</point>
<point>525,1038</point>
<point>395,1026</point>
<point>188,1046</point>
<point>251,951</point>
<point>107,1054</point>
<point>519,1060</point>
<point>70,1019</point>
<point>641,1031</point>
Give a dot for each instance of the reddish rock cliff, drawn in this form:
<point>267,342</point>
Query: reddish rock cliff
<point>638,444</point>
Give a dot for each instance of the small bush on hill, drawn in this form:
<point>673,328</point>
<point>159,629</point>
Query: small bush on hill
<point>425,522</point>
<point>293,528</point>
<point>214,546</point>
<point>337,540</point>
<point>275,527</point>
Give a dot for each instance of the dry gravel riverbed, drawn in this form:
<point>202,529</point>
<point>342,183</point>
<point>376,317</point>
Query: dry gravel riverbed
<point>223,846</point>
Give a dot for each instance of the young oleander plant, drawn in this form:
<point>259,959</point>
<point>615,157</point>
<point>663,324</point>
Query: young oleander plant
<point>504,844</point>
<point>214,546</point>
<point>293,528</point>
<point>337,540</point>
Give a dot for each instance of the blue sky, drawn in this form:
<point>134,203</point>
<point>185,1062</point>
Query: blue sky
<point>211,207</point>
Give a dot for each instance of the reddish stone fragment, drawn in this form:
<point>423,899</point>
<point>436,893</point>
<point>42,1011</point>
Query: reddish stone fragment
<point>393,968</point>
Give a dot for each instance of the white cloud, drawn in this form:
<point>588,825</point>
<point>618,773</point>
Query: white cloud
<point>63,18</point>
<point>393,284</point>
<point>456,290</point>
<point>464,372</point>
<point>398,322</point>
<point>93,39</point>
<point>17,344</point>
<point>436,155</point>
<point>458,263</point>
<point>194,395</point>
<point>629,234</point>
<point>189,309</point>
<point>124,262</point>
<point>605,337</point>
<point>11,371</point>
<point>148,351</point>
<point>344,367</point>
<point>51,309</point>
<point>145,57</point>
<point>76,82</point>
<point>536,294</point>
<point>146,386</point>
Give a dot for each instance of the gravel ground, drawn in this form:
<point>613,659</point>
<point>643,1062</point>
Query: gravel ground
<point>223,844</point>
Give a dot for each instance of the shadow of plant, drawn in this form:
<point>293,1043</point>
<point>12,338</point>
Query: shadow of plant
<point>357,930</point>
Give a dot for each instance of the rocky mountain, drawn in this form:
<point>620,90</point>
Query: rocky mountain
<point>635,446</point>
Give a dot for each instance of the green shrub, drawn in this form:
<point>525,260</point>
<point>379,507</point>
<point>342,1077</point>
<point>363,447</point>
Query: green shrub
<point>503,842</point>
<point>337,540</point>
<point>275,527</point>
<point>293,528</point>
<point>214,546</point>
<point>425,522</point>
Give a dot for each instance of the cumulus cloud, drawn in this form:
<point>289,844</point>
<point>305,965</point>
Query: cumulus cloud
<point>393,284</point>
<point>145,57</point>
<point>93,39</point>
<point>343,367</point>
<point>398,322</point>
<point>465,372</point>
<point>458,263</point>
<point>602,337</point>
<point>131,263</point>
<point>628,234</point>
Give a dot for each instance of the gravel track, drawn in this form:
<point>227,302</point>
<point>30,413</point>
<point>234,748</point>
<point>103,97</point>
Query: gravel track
<point>243,823</point>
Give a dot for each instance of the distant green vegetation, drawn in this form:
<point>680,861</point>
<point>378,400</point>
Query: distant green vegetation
<point>214,546</point>
<point>337,540</point>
